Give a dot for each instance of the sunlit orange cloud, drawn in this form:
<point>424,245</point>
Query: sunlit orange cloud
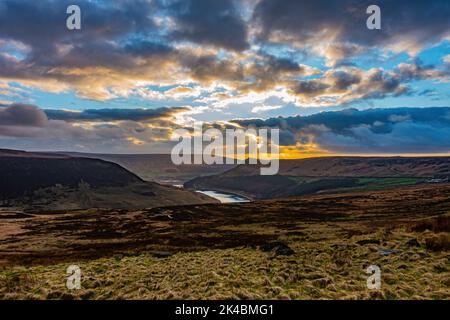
<point>135,141</point>
<point>314,151</point>
<point>286,152</point>
<point>302,151</point>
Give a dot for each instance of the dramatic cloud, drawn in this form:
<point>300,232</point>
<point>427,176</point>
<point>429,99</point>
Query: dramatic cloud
<point>105,130</point>
<point>406,24</point>
<point>127,46</point>
<point>398,130</point>
<point>208,22</point>
<point>22,115</point>
<point>50,57</point>
<point>114,114</point>
<point>120,46</point>
<point>347,84</point>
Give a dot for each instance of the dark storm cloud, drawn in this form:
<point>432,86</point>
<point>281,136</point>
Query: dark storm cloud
<point>310,87</point>
<point>343,80</point>
<point>397,130</point>
<point>421,22</point>
<point>41,26</point>
<point>341,121</point>
<point>113,114</point>
<point>39,29</point>
<point>209,22</point>
<point>22,115</point>
<point>22,121</point>
<point>147,48</point>
<point>269,71</point>
<point>119,44</point>
<point>39,22</point>
<point>104,53</point>
<point>281,64</point>
<point>209,68</point>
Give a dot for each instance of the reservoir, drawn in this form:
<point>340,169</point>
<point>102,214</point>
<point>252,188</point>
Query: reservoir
<point>224,197</point>
<point>221,196</point>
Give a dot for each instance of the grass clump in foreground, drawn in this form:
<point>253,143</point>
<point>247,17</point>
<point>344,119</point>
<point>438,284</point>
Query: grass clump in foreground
<point>326,269</point>
<point>316,247</point>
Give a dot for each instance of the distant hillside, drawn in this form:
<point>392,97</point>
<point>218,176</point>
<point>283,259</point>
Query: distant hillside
<point>157,167</point>
<point>327,174</point>
<point>59,181</point>
<point>356,167</point>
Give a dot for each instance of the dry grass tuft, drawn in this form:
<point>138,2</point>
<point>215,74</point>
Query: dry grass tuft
<point>439,224</point>
<point>438,242</point>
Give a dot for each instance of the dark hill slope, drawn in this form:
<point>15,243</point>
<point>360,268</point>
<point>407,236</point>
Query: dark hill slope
<point>20,175</point>
<point>39,181</point>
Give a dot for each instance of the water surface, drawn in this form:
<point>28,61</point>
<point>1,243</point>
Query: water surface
<point>224,197</point>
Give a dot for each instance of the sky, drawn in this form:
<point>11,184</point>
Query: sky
<point>139,69</point>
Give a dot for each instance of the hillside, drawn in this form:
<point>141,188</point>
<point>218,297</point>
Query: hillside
<point>49,181</point>
<point>157,167</point>
<point>327,174</point>
<point>356,167</point>
<point>27,172</point>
